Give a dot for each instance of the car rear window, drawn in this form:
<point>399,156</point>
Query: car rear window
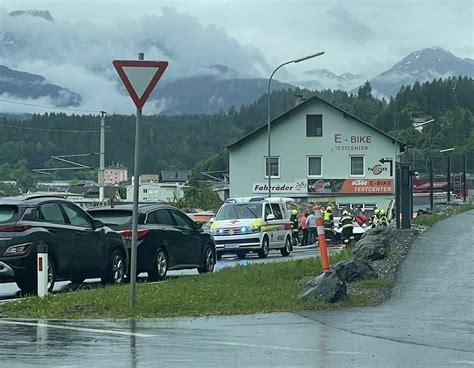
<point>112,217</point>
<point>8,213</point>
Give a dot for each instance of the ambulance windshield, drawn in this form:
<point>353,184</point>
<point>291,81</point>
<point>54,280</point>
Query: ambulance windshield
<point>233,211</point>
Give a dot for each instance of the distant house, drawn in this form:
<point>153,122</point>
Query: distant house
<point>115,175</point>
<point>157,192</point>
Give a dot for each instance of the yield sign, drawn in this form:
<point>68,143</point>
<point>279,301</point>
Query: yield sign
<point>140,77</point>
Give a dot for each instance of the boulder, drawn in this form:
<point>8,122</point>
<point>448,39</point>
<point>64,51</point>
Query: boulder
<point>374,243</point>
<point>354,269</point>
<point>327,286</point>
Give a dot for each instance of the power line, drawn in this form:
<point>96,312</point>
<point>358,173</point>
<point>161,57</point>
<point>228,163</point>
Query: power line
<point>49,107</point>
<point>50,130</point>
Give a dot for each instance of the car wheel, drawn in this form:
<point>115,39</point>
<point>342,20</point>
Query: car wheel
<point>27,286</point>
<point>51,274</point>
<point>263,253</point>
<point>241,255</point>
<point>208,262</point>
<point>285,251</point>
<point>115,269</point>
<point>30,286</point>
<point>159,267</point>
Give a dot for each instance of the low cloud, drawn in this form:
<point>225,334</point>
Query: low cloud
<point>78,55</point>
<point>347,26</point>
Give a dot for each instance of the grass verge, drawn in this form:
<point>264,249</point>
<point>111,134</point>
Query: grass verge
<point>433,218</point>
<point>256,288</point>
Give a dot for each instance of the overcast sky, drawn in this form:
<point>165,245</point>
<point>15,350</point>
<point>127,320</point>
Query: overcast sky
<point>358,36</point>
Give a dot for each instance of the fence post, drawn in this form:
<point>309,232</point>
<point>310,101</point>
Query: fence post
<point>322,240</point>
<point>42,270</point>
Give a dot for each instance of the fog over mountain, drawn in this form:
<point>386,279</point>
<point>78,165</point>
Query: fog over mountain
<point>50,61</point>
<point>78,55</point>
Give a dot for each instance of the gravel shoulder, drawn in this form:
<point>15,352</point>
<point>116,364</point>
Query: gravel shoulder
<point>373,293</point>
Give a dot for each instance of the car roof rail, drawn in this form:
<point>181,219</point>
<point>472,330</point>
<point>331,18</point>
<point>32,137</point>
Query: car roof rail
<point>41,195</point>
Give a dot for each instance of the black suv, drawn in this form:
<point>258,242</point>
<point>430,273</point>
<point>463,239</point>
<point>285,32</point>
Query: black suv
<point>79,247</point>
<point>167,238</point>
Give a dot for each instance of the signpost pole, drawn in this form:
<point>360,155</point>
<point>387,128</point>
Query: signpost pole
<point>136,185</point>
<point>139,78</point>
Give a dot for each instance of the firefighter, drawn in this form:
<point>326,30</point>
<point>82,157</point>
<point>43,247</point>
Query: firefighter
<point>374,220</point>
<point>346,223</point>
<point>382,218</point>
<point>328,222</point>
<point>294,227</point>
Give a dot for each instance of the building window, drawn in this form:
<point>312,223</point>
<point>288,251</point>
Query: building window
<point>357,166</point>
<point>314,125</point>
<point>315,166</point>
<point>274,167</point>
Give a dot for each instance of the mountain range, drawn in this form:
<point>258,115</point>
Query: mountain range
<point>217,87</point>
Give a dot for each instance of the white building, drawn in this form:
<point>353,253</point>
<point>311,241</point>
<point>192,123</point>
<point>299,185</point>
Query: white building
<point>156,192</point>
<point>319,153</point>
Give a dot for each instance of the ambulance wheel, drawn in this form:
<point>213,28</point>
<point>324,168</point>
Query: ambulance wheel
<point>285,251</point>
<point>263,253</point>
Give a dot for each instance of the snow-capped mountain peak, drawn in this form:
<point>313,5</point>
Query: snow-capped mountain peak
<point>422,65</point>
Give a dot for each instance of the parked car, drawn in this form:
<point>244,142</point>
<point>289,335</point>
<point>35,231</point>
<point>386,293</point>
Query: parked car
<point>167,238</point>
<point>79,247</point>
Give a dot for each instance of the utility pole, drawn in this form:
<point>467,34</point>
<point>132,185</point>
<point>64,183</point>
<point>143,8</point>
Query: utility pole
<point>102,158</point>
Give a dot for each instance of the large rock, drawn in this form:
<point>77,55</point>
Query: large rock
<point>374,244</point>
<point>354,269</point>
<point>327,286</point>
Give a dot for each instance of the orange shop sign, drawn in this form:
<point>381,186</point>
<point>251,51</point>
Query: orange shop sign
<point>350,186</point>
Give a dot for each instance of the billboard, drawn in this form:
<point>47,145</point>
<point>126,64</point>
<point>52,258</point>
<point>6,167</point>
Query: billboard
<point>350,186</point>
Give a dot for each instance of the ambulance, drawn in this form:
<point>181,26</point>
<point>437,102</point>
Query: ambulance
<point>252,225</point>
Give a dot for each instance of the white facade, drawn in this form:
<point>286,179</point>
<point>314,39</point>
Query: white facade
<point>323,155</point>
<point>114,175</point>
<point>155,192</point>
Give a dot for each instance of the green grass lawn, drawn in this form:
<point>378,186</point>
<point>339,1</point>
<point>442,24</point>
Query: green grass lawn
<point>255,288</point>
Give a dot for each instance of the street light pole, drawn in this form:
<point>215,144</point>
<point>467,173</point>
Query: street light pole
<point>268,114</point>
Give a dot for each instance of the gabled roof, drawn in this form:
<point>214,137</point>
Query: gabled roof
<point>171,176</point>
<point>310,100</point>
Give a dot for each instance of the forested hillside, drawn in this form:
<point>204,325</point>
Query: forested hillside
<point>180,141</point>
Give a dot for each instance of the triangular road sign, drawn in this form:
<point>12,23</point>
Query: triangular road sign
<point>140,77</point>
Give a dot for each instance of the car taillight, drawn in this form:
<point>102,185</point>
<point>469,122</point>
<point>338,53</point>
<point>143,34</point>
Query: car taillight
<point>14,228</point>
<point>127,234</point>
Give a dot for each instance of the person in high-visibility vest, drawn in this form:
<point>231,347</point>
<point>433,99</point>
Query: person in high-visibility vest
<point>382,218</point>
<point>374,220</point>
<point>346,223</point>
<point>295,227</point>
<point>328,223</point>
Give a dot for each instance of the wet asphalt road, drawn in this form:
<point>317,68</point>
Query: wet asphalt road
<point>428,322</point>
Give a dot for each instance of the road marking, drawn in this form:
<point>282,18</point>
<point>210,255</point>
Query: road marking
<point>286,348</point>
<point>84,329</point>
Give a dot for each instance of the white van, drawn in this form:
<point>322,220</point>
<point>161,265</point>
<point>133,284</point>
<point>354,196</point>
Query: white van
<point>252,225</point>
